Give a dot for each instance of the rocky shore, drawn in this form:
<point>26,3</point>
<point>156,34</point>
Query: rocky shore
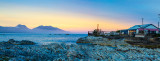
<point>102,41</point>
<point>76,52</point>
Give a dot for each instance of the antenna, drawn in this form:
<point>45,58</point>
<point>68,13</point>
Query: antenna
<point>158,24</point>
<point>159,19</point>
<point>142,20</point>
<point>142,24</point>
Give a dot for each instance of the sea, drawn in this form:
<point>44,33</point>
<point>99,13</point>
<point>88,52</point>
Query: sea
<point>42,39</point>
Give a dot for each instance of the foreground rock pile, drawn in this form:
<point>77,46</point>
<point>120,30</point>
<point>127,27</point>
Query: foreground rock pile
<point>74,52</point>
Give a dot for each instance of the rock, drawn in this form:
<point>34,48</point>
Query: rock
<point>82,40</point>
<point>11,40</point>
<point>101,41</point>
<point>1,59</point>
<point>23,42</point>
<point>5,43</point>
<point>16,59</point>
<point>89,39</point>
<point>16,43</point>
<point>55,45</point>
<point>63,45</point>
<point>27,42</point>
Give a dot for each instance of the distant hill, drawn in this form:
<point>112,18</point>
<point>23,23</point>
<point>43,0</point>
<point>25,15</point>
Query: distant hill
<point>48,29</point>
<point>18,29</point>
<point>24,29</point>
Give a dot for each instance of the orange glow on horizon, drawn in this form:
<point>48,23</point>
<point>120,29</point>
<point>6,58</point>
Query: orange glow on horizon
<point>73,22</point>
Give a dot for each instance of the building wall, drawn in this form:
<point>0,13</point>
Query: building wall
<point>124,31</point>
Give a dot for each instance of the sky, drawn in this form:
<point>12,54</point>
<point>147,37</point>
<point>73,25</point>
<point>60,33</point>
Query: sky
<point>79,16</point>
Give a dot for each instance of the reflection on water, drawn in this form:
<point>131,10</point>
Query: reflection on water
<point>42,38</point>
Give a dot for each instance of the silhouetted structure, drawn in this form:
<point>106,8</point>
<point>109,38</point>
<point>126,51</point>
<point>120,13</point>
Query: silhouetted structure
<point>96,32</point>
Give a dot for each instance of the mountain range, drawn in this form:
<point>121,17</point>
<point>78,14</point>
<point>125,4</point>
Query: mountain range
<point>24,29</point>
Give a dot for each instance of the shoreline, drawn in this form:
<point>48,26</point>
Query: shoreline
<point>44,38</point>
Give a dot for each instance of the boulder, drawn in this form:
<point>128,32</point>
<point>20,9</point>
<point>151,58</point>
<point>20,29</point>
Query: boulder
<point>23,42</point>
<point>11,41</point>
<point>27,42</point>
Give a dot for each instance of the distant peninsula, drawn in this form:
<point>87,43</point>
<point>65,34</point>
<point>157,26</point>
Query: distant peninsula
<point>40,29</point>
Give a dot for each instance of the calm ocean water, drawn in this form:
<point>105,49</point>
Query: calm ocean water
<point>42,38</point>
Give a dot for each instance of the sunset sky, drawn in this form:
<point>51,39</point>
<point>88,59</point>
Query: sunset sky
<point>79,16</point>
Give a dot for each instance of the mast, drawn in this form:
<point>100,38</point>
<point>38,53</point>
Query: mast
<point>97,27</point>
